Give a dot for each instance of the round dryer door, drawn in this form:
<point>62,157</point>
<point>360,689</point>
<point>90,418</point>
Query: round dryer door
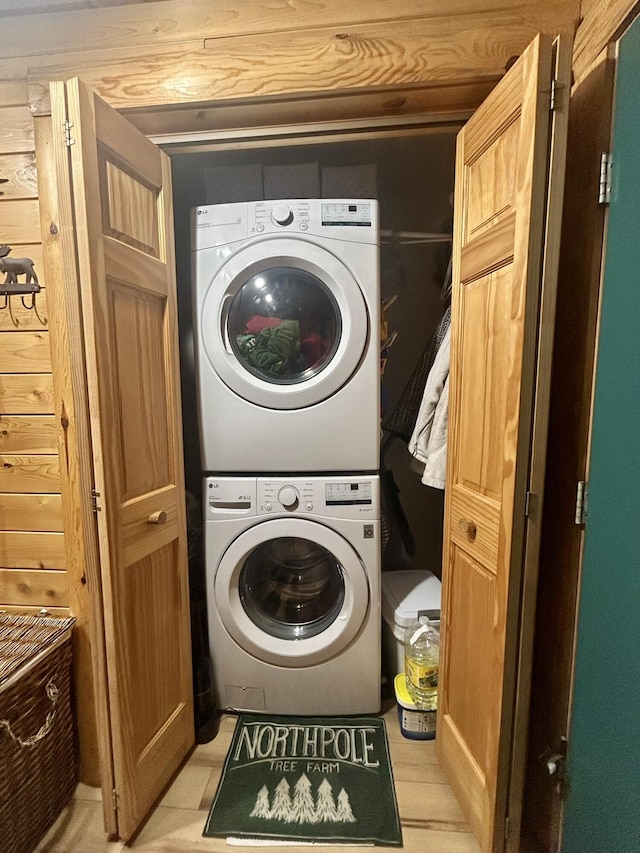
<point>284,323</point>
<point>291,592</point>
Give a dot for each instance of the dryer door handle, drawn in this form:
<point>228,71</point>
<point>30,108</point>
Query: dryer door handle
<point>223,323</point>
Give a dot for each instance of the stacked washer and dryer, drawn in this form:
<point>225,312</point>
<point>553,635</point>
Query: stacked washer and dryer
<point>286,322</point>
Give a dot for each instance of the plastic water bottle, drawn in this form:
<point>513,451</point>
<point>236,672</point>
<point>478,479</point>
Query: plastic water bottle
<point>421,661</point>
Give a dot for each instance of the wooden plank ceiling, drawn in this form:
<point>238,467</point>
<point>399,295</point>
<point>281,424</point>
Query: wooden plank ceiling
<point>173,52</point>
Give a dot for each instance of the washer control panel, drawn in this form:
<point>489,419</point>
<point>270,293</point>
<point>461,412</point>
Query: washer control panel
<point>348,496</point>
<point>340,496</point>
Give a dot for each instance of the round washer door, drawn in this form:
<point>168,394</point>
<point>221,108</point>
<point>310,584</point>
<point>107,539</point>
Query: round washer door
<point>284,323</point>
<point>291,592</point>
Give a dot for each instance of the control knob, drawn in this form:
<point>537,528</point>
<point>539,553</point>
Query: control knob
<point>282,214</point>
<point>288,497</point>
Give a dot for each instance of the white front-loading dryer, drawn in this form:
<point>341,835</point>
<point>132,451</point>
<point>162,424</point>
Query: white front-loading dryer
<point>293,593</point>
<point>286,324</point>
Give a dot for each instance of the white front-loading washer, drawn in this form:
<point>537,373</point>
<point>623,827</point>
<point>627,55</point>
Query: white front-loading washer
<point>293,593</point>
<point>287,343</point>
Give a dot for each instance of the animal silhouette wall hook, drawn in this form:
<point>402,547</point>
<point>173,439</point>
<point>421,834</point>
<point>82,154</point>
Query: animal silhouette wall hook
<point>14,267</point>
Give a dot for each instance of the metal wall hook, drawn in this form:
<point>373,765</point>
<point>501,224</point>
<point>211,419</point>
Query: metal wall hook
<point>13,319</point>
<point>33,302</point>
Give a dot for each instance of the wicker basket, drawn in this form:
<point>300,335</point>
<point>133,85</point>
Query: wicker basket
<point>37,749</point>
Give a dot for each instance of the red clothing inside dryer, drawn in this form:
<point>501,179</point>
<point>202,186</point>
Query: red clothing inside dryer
<point>313,349</point>
<point>256,323</point>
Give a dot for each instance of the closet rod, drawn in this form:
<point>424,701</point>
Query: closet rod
<point>415,236</point>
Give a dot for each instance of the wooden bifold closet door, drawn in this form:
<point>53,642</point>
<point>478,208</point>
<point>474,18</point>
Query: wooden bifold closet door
<point>118,203</point>
<point>508,200</point>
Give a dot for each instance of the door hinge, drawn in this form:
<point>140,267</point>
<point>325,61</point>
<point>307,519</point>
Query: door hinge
<point>95,507</point>
<point>114,799</point>
<point>67,133</point>
<point>604,185</point>
<point>530,504</point>
<point>581,503</point>
<point>553,101</point>
<point>555,761</point>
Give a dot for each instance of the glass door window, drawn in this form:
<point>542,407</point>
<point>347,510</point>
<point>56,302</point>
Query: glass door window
<point>292,588</point>
<point>291,591</point>
<point>284,325</point>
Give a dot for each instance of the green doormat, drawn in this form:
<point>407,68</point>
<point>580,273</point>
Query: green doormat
<point>326,780</point>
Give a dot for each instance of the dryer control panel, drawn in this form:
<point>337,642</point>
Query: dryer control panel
<point>342,219</point>
<point>346,496</point>
<point>349,220</point>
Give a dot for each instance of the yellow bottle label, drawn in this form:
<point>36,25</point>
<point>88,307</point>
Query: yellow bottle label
<point>421,675</point>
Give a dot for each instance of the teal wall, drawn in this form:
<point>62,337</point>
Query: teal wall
<point>603,806</point>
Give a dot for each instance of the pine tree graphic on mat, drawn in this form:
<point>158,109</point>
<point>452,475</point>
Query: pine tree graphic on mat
<point>282,806</point>
<point>302,808</point>
<point>261,808</point>
<point>325,804</point>
<point>343,812</point>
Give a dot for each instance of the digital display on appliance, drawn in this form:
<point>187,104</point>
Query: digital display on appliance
<point>347,494</point>
<point>341,213</point>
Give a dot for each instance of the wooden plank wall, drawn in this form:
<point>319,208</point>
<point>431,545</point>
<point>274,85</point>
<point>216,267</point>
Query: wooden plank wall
<point>32,553</point>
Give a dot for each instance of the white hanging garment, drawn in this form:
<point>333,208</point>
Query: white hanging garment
<point>428,443</point>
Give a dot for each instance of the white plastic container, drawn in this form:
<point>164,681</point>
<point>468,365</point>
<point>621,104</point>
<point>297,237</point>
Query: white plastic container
<point>404,595</point>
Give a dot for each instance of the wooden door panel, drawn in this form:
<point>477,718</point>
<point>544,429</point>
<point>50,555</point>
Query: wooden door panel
<point>121,187</point>
<point>469,774</point>
<point>481,542</point>
<point>502,177</point>
<point>138,344</point>
<point>490,250</point>
<point>153,590</point>
<point>485,323</point>
<point>490,180</point>
<point>130,212</point>
<point>469,656</point>
<point>139,536</point>
<point>127,264</point>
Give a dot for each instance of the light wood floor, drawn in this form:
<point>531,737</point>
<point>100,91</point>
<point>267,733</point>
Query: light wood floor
<point>431,818</point>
